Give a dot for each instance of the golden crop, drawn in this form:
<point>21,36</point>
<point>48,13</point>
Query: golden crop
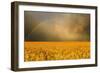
<point>41,52</point>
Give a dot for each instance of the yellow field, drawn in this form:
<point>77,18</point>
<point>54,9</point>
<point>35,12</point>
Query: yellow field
<point>41,51</point>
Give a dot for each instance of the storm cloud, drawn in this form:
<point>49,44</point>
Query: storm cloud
<point>54,26</point>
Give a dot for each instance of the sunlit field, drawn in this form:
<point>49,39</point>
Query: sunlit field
<point>41,51</point>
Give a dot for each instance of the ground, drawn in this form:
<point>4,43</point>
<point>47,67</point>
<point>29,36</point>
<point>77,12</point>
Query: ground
<point>41,51</point>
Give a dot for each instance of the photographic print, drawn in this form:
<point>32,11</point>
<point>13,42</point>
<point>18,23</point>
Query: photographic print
<point>51,36</point>
<point>56,36</point>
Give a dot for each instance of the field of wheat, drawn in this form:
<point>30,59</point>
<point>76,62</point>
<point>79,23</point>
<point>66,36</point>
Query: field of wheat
<point>41,51</point>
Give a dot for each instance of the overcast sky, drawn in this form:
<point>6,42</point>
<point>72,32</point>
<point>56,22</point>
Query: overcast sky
<point>47,26</point>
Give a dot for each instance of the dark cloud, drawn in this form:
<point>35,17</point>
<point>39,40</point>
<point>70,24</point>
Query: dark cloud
<point>47,26</point>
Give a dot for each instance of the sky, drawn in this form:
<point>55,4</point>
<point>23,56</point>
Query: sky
<point>50,26</point>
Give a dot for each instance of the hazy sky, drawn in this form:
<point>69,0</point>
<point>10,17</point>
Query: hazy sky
<point>47,26</point>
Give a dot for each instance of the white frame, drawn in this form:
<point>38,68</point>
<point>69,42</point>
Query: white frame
<point>23,64</point>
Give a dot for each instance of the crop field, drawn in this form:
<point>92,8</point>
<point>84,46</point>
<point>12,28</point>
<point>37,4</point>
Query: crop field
<point>42,51</point>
